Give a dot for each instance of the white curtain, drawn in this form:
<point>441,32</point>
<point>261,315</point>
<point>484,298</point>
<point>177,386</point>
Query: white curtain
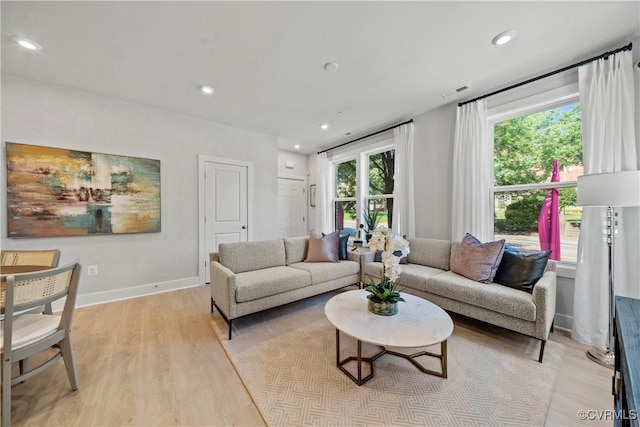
<point>609,145</point>
<point>471,205</point>
<point>323,202</point>
<point>404,211</point>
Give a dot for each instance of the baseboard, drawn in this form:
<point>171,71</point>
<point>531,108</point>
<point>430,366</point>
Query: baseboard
<point>132,292</point>
<point>563,322</point>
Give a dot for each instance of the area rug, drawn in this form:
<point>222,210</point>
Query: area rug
<point>286,359</point>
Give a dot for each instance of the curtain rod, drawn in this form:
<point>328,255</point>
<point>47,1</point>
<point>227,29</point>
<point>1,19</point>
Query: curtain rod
<point>568,67</point>
<point>366,136</point>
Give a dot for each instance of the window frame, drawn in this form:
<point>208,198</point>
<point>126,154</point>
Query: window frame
<point>361,155</point>
<point>524,107</point>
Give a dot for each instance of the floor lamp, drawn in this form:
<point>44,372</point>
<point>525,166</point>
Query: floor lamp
<point>610,190</point>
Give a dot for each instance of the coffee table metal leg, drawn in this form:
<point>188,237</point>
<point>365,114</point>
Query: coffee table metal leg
<point>369,360</point>
<point>358,359</point>
<point>442,357</point>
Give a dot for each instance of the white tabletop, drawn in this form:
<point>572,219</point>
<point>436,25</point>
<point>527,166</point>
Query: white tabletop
<point>419,323</point>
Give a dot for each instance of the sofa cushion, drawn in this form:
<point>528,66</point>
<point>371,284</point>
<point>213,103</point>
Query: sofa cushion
<point>323,272</point>
<point>521,269</point>
<point>430,252</point>
<point>477,261</point>
<point>248,256</point>
<point>253,285</point>
<point>491,296</point>
<point>295,249</point>
<point>378,257</point>
<point>411,275</point>
<point>324,248</point>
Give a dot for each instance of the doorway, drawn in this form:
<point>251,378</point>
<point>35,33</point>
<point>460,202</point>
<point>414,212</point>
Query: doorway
<point>225,195</point>
<point>292,206</point>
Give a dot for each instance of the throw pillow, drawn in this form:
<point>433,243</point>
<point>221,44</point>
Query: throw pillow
<point>521,269</point>
<point>323,248</point>
<point>477,261</point>
<point>342,250</point>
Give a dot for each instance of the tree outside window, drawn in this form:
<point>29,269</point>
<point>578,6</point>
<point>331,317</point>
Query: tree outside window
<point>524,150</point>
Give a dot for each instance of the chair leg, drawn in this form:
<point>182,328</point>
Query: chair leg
<point>69,363</point>
<point>213,303</point>
<point>542,343</point>
<point>230,329</point>
<point>552,323</point>
<point>6,390</point>
<point>24,367</point>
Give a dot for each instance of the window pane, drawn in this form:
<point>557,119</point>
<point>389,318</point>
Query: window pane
<point>516,220</point>
<point>381,173</point>
<point>345,215</point>
<point>346,179</point>
<point>381,211</point>
<point>525,147</point>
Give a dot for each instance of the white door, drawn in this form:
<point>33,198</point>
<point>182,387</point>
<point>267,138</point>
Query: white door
<point>292,204</point>
<point>226,196</point>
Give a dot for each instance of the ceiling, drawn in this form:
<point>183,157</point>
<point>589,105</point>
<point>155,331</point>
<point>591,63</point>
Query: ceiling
<point>265,59</point>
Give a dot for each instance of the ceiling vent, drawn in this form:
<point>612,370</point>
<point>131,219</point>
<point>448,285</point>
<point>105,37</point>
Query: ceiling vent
<point>456,91</point>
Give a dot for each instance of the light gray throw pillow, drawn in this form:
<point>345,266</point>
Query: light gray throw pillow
<point>477,261</point>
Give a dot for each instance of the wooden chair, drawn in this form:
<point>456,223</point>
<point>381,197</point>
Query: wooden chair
<point>25,334</point>
<point>44,257</point>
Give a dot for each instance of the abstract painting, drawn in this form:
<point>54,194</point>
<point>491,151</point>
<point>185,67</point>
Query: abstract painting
<point>57,192</point>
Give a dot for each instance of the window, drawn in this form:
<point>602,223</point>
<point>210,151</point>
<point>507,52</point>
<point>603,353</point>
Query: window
<point>380,197</point>
<point>525,147</point>
<point>346,195</point>
<point>364,188</point>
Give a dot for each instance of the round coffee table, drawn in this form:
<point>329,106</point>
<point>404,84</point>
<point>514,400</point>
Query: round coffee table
<point>419,323</point>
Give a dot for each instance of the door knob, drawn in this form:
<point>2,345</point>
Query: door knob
<point>244,227</point>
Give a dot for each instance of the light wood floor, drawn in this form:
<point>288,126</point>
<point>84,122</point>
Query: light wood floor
<point>155,361</point>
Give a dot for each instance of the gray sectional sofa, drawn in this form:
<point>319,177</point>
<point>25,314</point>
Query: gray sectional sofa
<point>427,274</point>
<point>248,277</point>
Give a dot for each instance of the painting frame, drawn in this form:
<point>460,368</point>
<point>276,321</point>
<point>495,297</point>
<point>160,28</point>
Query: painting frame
<point>60,192</point>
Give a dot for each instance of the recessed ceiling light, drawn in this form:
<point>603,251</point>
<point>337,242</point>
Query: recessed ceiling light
<point>207,90</point>
<point>28,44</point>
<point>504,37</point>
<point>331,67</point>
<point>297,146</point>
<point>324,126</point>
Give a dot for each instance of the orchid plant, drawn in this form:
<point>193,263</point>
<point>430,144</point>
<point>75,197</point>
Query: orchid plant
<point>393,249</point>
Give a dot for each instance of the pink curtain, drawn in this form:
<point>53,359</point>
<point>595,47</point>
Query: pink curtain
<point>549,219</point>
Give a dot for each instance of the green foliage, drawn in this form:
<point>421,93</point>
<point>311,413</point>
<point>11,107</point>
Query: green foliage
<point>371,219</point>
<point>568,197</point>
<point>385,291</point>
<point>522,216</point>
<point>525,147</point>
<point>346,179</point>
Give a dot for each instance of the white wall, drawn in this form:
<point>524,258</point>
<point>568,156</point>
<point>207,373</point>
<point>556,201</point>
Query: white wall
<point>43,114</point>
<point>433,162</point>
<point>299,161</point>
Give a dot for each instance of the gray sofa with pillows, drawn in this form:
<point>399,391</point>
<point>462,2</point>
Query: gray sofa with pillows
<point>522,306</point>
<point>248,277</point>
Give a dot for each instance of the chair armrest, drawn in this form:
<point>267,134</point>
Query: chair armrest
<point>544,297</point>
<point>223,289</point>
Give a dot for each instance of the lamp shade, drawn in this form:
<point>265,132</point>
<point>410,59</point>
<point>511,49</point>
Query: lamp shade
<point>609,189</point>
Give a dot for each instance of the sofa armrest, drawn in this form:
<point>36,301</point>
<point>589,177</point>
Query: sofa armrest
<point>544,297</point>
<point>223,288</point>
<point>353,256</point>
<point>367,257</point>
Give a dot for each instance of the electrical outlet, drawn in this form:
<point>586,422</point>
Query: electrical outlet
<point>92,270</point>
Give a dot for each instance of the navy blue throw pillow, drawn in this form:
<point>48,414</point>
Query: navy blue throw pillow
<point>342,252</point>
